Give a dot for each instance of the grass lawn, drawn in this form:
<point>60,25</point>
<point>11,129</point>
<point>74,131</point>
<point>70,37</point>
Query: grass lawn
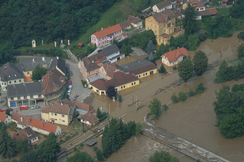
<point>223,11</point>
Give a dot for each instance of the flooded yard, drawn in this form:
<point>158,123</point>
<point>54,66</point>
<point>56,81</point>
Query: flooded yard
<point>193,119</point>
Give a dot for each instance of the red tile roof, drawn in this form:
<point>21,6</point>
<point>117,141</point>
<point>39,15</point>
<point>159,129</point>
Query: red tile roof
<point>80,44</point>
<point>213,11</point>
<point>161,18</point>
<point>125,25</point>
<point>110,69</point>
<point>107,31</point>
<point>144,69</point>
<point>34,122</point>
<point>133,19</point>
<point>53,81</point>
<point>89,117</point>
<point>83,106</point>
<point>119,78</point>
<point>27,79</point>
<point>173,55</point>
<point>57,107</point>
<point>20,135</point>
<point>89,65</point>
<point>99,57</point>
<point>3,116</point>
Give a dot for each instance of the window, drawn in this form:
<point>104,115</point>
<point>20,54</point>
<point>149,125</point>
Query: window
<point>52,113</point>
<point>97,90</point>
<point>62,115</point>
<point>19,80</point>
<point>15,81</point>
<point>131,83</point>
<point>28,72</point>
<point>9,82</point>
<point>159,40</point>
<point>121,87</point>
<point>155,26</point>
<point>56,119</point>
<point>55,114</point>
<point>63,121</point>
<point>146,73</point>
<point>134,82</point>
<point>164,30</point>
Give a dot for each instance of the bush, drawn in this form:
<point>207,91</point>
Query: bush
<point>27,50</point>
<point>103,117</point>
<point>40,51</point>
<point>241,35</point>
<point>165,107</point>
<point>200,88</point>
<point>191,93</point>
<point>162,69</point>
<point>182,96</point>
<point>174,67</point>
<point>120,98</point>
<point>174,98</point>
<point>67,137</point>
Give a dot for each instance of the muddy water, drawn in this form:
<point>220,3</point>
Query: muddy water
<point>193,119</point>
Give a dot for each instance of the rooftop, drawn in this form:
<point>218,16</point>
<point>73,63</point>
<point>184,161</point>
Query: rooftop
<point>3,116</point>
<point>25,89</point>
<point>133,19</point>
<point>125,24</point>
<point>10,71</point>
<point>57,107</point>
<point>109,50</point>
<point>89,65</point>
<point>24,133</point>
<point>107,31</point>
<point>89,117</point>
<point>173,55</point>
<point>161,18</point>
<point>163,4</point>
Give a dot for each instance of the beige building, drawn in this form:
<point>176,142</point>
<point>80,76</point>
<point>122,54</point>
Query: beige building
<point>163,25</point>
<point>58,113</point>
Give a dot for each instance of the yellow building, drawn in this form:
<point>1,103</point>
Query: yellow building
<point>163,25</point>
<point>58,113</point>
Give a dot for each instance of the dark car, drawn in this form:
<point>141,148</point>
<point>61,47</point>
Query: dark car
<point>10,109</point>
<point>71,73</point>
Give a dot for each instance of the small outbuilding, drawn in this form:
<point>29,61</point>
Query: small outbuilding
<point>91,142</point>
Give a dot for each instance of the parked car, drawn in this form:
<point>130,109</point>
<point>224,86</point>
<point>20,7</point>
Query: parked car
<point>22,107</point>
<point>10,109</point>
<point>70,86</point>
<point>35,107</point>
<point>70,82</point>
<point>1,110</point>
<point>70,73</point>
<point>68,92</point>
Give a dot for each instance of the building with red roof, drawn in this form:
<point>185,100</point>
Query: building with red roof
<point>36,125</point>
<point>174,57</point>
<point>5,118</point>
<point>26,133</point>
<point>107,35</point>
<point>194,3</point>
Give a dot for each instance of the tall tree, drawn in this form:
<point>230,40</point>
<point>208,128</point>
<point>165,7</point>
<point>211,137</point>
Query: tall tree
<point>7,145</point>
<point>111,92</point>
<point>200,62</point>
<point>189,21</point>
<point>80,157</point>
<point>162,69</point>
<point>99,155</point>
<point>155,106</point>
<point>47,150</point>
<point>236,11</point>
<point>221,75</point>
<point>185,69</point>
<point>138,129</point>
<point>30,157</point>
<point>22,146</point>
<point>240,51</point>
<point>38,72</point>
<point>150,47</point>
<point>151,58</point>
<point>162,157</point>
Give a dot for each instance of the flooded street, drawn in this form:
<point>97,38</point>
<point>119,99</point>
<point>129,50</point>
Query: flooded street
<point>193,119</point>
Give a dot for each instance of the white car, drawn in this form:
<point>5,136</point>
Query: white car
<point>70,86</point>
<point>35,107</point>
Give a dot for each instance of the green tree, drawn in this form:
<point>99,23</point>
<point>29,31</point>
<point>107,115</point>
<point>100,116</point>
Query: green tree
<point>111,92</point>
<point>162,157</point>
<point>241,35</point>
<point>7,112</point>
<point>30,157</point>
<point>150,47</point>
<point>193,41</point>
<point>138,129</point>
<point>47,150</point>
<point>99,155</point>
<point>165,107</point>
<point>80,157</point>
<point>22,146</point>
<point>189,21</point>
<point>162,69</point>
<point>155,106</point>
<point>182,96</point>
<point>162,50</point>
<point>6,53</point>
<point>185,69</point>
<point>200,88</point>
<point>240,51</point>
<point>38,72</point>
<point>221,75</point>
<point>99,113</point>
<point>120,98</point>
<point>236,11</point>
<point>200,62</point>
<point>7,145</point>
<point>174,98</point>
<point>151,58</point>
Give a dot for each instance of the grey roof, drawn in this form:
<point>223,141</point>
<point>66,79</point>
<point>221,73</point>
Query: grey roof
<point>60,63</point>
<point>91,142</point>
<point>204,1</point>
<point>29,65</point>
<point>110,49</point>
<point>10,71</point>
<point>197,14</point>
<point>26,89</point>
<point>136,64</point>
<point>95,77</point>
<point>30,133</point>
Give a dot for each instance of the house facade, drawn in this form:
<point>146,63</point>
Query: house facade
<point>24,94</point>
<point>106,36</point>
<point>88,68</point>
<point>89,119</point>
<point>5,118</point>
<point>163,26</point>
<point>174,57</point>
<point>10,74</point>
<point>194,3</point>
<point>166,4</point>
<point>58,113</point>
<point>26,133</point>
<point>136,22</point>
<point>36,125</point>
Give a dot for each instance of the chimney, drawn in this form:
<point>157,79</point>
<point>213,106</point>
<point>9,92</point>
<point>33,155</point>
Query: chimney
<point>21,119</point>
<point>43,58</point>
<point>101,28</point>
<point>62,103</point>
<point>33,60</point>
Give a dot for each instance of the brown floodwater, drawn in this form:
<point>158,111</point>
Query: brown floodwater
<point>193,119</point>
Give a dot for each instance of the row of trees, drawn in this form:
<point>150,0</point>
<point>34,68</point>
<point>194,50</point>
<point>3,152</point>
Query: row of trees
<point>116,134</point>
<point>229,109</point>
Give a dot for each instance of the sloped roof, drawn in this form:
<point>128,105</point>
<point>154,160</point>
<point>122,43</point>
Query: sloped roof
<point>125,24</point>
<point>53,81</point>
<point>24,133</point>
<point>139,66</point>
<point>161,17</point>
<point>107,31</point>
<point>83,106</point>
<point>212,11</point>
<point>110,69</point>
<point>58,62</point>
<point>109,50</point>
<point>119,78</point>
<point>178,12</point>
<point>3,116</point>
<point>163,4</point>
<point>10,71</point>
<point>25,89</point>
<point>56,107</point>
<point>89,117</point>
<point>98,57</point>
<point>133,19</point>
<point>34,122</point>
<point>89,65</point>
<point>169,13</point>
<point>173,55</point>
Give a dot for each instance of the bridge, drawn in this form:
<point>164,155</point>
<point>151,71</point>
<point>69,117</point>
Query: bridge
<point>179,144</point>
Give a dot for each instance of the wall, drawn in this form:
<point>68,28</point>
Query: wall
<point>58,131</point>
<point>52,118</point>
<point>146,73</point>
<point>34,139</point>
<point>4,84</point>
<point>28,73</point>
<point>166,62</point>
<point>128,85</point>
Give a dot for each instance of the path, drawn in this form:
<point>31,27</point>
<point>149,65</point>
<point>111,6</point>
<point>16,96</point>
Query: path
<point>179,144</point>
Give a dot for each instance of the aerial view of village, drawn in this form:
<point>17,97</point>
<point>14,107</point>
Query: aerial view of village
<point>122,81</point>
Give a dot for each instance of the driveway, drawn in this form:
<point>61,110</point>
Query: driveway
<point>78,88</point>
